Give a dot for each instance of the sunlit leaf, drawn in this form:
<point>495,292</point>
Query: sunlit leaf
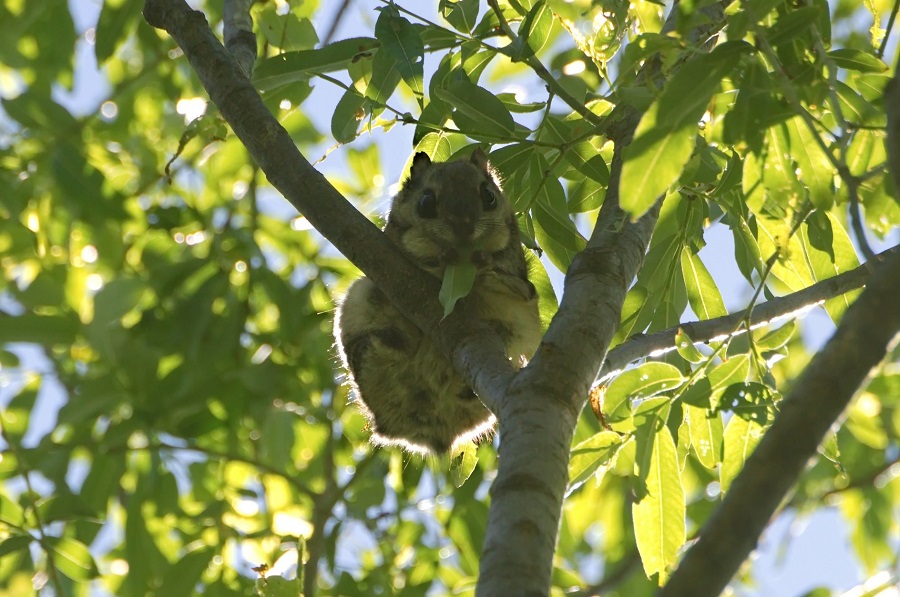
<point>685,347</point>
<point>664,139</point>
<point>547,302</point>
<point>741,437</point>
<point>659,514</point>
<point>463,463</point>
<point>462,14</point>
<point>592,454</point>
<point>401,40</point>
<point>643,381</point>
<point>476,110</point>
<point>702,292</point>
<point>857,60</point>
<point>706,435</point>
<point>73,558</point>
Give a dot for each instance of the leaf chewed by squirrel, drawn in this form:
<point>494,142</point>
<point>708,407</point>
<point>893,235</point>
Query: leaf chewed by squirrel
<point>445,213</point>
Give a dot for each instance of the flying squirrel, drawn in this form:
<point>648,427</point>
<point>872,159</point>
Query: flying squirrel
<point>445,213</point>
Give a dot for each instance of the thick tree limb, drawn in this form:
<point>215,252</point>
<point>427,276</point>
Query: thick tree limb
<point>473,347</point>
<point>892,111</point>
<point>539,412</point>
<point>819,397</point>
<point>238,33</point>
<point>642,346</point>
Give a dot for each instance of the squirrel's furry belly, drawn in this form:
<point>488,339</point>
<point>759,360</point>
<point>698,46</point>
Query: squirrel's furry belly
<point>406,388</point>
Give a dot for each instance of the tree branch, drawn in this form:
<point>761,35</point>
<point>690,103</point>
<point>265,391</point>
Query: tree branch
<point>827,385</point>
<point>472,346</point>
<point>641,346</point>
<point>238,32</point>
<point>892,110</point>
<point>335,22</point>
<point>538,414</point>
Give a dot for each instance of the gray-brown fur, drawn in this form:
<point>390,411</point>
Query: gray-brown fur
<point>405,387</point>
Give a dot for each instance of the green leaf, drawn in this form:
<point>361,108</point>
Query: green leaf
<point>73,558</point>
<point>685,347</point>
<point>511,161</point>
<point>15,416</point>
<point>512,104</point>
<point>857,60</point>
<point>383,80</point>
<point>35,110</point>
<point>477,110</point>
<point>537,274</point>
<point>14,543</point>
<point>274,586</point>
<point>285,31</point>
<point>401,40</point>
<point>829,252</point>
<point>750,400</point>
<point>857,109</point>
<point>39,329</point>
<point>432,119</point>
<point>347,115</point>
<point>182,578</point>
<point>588,161</point>
<point>706,435</point>
<point>664,139</point>
<point>463,463</point>
<point>277,438</point>
<point>777,338</point>
<point>549,207</point>
<point>11,513</point>
<point>791,25</point>
<point>813,166</point>
<point>117,19</point>
<point>870,86</point>
<point>558,254</point>
<point>535,30</point>
<point>741,437</point>
<point>117,298</point>
<point>732,371</point>
<point>641,382</point>
<point>590,455</point>
<point>65,507</point>
<point>659,515</point>
<point>644,298</point>
<point>102,481</point>
<point>462,14</point>
<point>436,145</point>
<point>458,281</point>
<point>702,292</point>
<point>586,195</point>
<point>290,67</point>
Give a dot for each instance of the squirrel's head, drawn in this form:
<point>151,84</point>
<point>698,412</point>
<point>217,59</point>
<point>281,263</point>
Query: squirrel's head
<point>453,207</point>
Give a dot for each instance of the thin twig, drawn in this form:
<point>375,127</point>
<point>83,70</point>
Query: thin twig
<point>335,23</point>
<point>700,332</point>
<point>887,30</point>
<point>553,86</point>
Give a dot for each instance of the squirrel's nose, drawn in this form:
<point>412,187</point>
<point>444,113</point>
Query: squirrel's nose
<point>463,226</point>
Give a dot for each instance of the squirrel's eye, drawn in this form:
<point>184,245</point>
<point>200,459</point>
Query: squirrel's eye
<point>488,198</point>
<point>427,206</point>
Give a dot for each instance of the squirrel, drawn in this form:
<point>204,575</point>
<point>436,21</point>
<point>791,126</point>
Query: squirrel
<point>406,388</point>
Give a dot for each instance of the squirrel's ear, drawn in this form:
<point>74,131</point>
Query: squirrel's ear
<point>480,159</point>
<point>420,164</point>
